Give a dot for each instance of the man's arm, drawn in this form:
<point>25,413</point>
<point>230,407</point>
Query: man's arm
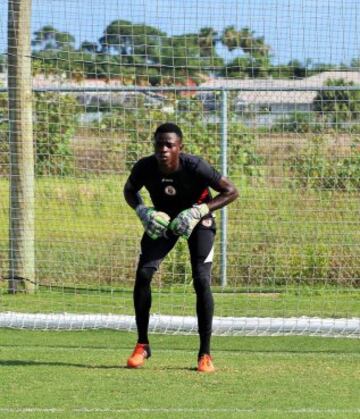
<point>131,195</point>
<point>227,193</point>
<point>155,223</point>
<point>184,223</point>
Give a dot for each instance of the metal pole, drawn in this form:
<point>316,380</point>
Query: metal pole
<point>224,122</point>
<point>21,213</point>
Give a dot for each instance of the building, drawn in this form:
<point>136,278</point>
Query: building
<point>267,99</point>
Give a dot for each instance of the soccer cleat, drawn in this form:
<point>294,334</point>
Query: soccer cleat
<point>205,364</point>
<point>137,358</point>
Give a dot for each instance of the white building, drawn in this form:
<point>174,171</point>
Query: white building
<point>281,98</point>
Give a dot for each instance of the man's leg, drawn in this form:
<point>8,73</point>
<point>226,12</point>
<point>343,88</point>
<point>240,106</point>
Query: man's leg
<point>152,253</point>
<point>201,251</point>
<point>142,302</point>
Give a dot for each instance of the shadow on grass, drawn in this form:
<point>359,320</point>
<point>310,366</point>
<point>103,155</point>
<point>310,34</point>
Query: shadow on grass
<point>21,363</point>
<point>17,363</point>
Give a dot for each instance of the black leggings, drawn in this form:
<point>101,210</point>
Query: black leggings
<point>153,252</point>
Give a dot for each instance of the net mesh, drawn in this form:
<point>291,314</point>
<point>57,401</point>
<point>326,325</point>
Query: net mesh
<point>288,136</point>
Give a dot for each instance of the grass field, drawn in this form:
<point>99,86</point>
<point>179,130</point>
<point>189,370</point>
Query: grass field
<point>290,302</point>
<point>290,253</point>
<point>86,234</point>
<point>82,374</point>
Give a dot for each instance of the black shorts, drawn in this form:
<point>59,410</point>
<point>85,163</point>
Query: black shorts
<point>200,245</point>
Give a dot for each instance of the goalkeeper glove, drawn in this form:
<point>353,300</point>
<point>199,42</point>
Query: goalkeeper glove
<point>155,222</point>
<point>185,222</point>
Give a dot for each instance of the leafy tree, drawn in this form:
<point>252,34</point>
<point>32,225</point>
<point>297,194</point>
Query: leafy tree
<point>71,63</point>
<point>256,52</point>
<point>338,106</point>
<point>244,39</point>
<point>90,47</point>
<point>207,41</point>
<point>238,67</point>
<point>50,38</point>
<point>355,63</point>
<point>296,69</point>
<point>55,53</point>
<point>128,39</point>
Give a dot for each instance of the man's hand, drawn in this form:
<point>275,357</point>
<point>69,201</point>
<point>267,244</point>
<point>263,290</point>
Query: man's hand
<point>185,222</point>
<point>155,222</point>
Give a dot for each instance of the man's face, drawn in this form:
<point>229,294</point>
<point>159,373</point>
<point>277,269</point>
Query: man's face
<point>167,149</point>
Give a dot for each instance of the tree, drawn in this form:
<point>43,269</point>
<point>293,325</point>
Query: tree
<point>238,67</point>
<point>355,63</point>
<point>207,41</point>
<point>49,38</point>
<point>189,55</point>
<point>338,106</point>
<point>90,47</point>
<point>125,38</point>
<point>297,69</point>
<point>230,38</point>
<point>244,39</point>
<point>256,51</point>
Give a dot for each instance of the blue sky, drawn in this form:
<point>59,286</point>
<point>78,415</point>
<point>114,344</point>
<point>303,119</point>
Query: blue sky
<point>323,30</point>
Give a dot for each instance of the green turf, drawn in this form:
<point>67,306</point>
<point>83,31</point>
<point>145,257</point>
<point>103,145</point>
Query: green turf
<point>283,302</point>
<point>256,377</point>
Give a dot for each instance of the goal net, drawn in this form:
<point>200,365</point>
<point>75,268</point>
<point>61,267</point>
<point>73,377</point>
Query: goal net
<point>270,96</point>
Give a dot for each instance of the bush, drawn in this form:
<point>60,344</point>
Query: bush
<point>338,107</point>
<point>316,169</point>
<point>300,122</point>
<point>55,121</point>
<point>54,125</point>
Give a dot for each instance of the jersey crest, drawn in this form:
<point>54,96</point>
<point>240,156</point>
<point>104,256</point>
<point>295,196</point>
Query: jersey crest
<point>170,190</point>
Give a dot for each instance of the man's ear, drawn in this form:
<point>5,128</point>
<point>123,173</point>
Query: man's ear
<point>181,146</point>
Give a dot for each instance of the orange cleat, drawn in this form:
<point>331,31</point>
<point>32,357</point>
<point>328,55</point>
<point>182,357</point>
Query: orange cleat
<point>205,364</point>
<point>137,358</point>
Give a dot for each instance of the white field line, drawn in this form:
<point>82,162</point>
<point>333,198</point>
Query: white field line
<point>178,410</point>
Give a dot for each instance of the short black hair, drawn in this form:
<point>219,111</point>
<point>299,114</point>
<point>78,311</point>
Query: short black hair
<point>168,127</point>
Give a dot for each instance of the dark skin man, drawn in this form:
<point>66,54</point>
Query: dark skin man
<point>179,187</point>
<point>167,150</point>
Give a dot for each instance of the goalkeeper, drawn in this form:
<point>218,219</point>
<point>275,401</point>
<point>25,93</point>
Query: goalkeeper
<point>178,185</point>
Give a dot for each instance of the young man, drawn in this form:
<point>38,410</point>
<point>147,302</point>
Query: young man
<point>178,185</point>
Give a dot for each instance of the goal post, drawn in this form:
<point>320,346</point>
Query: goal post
<point>21,167</point>
<point>279,119</point>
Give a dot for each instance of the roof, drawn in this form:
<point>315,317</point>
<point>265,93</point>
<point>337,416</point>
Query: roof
<point>312,81</point>
<point>280,96</point>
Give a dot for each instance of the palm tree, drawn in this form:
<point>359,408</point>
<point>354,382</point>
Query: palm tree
<point>207,41</point>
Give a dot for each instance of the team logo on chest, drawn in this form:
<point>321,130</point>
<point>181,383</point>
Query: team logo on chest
<point>207,222</point>
<point>170,190</point>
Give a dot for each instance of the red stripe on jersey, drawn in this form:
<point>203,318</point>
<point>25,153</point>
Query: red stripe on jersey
<point>203,196</point>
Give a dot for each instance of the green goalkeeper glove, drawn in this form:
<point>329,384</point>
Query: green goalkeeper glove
<point>184,223</point>
<point>155,222</point>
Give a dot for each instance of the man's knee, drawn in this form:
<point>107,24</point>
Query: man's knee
<point>144,276</point>
<point>202,283</point>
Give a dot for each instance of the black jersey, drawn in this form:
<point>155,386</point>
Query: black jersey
<point>174,192</point>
